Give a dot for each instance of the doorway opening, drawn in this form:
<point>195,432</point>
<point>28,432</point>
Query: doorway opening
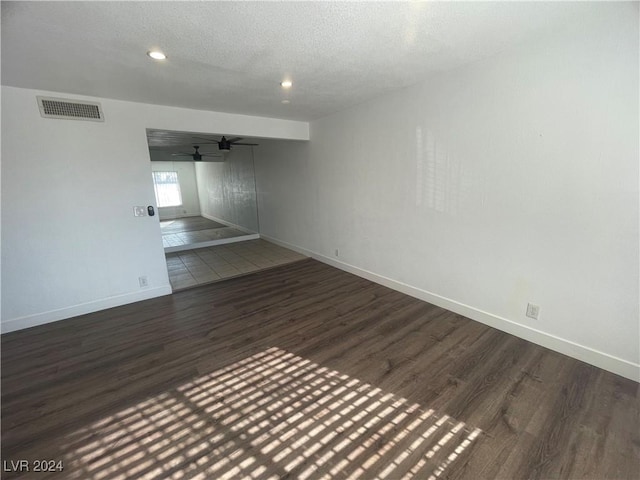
<point>205,195</point>
<point>207,207</point>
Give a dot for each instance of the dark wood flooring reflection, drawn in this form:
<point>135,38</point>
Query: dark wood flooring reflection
<point>304,371</point>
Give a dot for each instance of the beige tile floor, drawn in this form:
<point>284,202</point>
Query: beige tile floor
<point>204,265</point>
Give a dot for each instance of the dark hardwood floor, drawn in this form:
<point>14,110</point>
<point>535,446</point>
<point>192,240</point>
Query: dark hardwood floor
<point>304,371</point>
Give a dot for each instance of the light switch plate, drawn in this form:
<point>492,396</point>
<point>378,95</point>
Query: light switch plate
<point>140,211</point>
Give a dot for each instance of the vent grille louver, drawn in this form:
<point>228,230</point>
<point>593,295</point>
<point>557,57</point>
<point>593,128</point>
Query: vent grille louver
<point>70,109</point>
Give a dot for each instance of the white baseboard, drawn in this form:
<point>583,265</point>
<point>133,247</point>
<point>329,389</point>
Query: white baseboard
<point>228,224</point>
<point>162,218</point>
<point>597,358</point>
<point>28,321</point>
<point>211,243</point>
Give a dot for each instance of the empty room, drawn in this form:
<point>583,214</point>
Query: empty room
<point>320,240</point>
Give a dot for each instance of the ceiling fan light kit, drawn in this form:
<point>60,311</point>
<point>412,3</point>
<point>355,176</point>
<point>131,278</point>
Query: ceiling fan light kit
<point>224,145</point>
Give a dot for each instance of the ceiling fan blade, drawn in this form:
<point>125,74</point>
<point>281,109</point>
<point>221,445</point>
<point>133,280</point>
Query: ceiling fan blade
<point>182,154</point>
<point>247,144</point>
<point>234,139</point>
<point>210,155</point>
<point>213,140</point>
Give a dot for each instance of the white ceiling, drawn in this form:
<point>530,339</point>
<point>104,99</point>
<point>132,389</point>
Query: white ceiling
<point>231,56</point>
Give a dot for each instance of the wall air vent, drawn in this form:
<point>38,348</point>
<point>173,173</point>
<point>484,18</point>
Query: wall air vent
<point>70,109</point>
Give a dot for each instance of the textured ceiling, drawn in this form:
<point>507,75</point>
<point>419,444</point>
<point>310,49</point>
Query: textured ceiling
<point>231,56</point>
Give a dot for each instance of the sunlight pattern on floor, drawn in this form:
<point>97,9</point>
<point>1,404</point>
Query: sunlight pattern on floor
<point>267,416</point>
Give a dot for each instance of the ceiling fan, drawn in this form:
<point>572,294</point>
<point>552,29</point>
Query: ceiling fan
<point>224,144</point>
<point>197,156</point>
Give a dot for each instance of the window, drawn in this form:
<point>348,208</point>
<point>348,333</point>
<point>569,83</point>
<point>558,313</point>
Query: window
<point>167,189</point>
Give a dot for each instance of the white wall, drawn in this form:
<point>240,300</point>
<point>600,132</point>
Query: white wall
<point>227,189</point>
<point>188,188</point>
<point>509,181</point>
<point>70,242</point>
<point>287,193</point>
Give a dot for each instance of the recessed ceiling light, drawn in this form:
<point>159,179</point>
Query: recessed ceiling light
<point>285,101</point>
<point>286,84</point>
<point>156,55</point>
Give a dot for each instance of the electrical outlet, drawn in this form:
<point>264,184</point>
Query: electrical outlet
<point>143,281</point>
<point>139,211</point>
<point>533,311</point>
